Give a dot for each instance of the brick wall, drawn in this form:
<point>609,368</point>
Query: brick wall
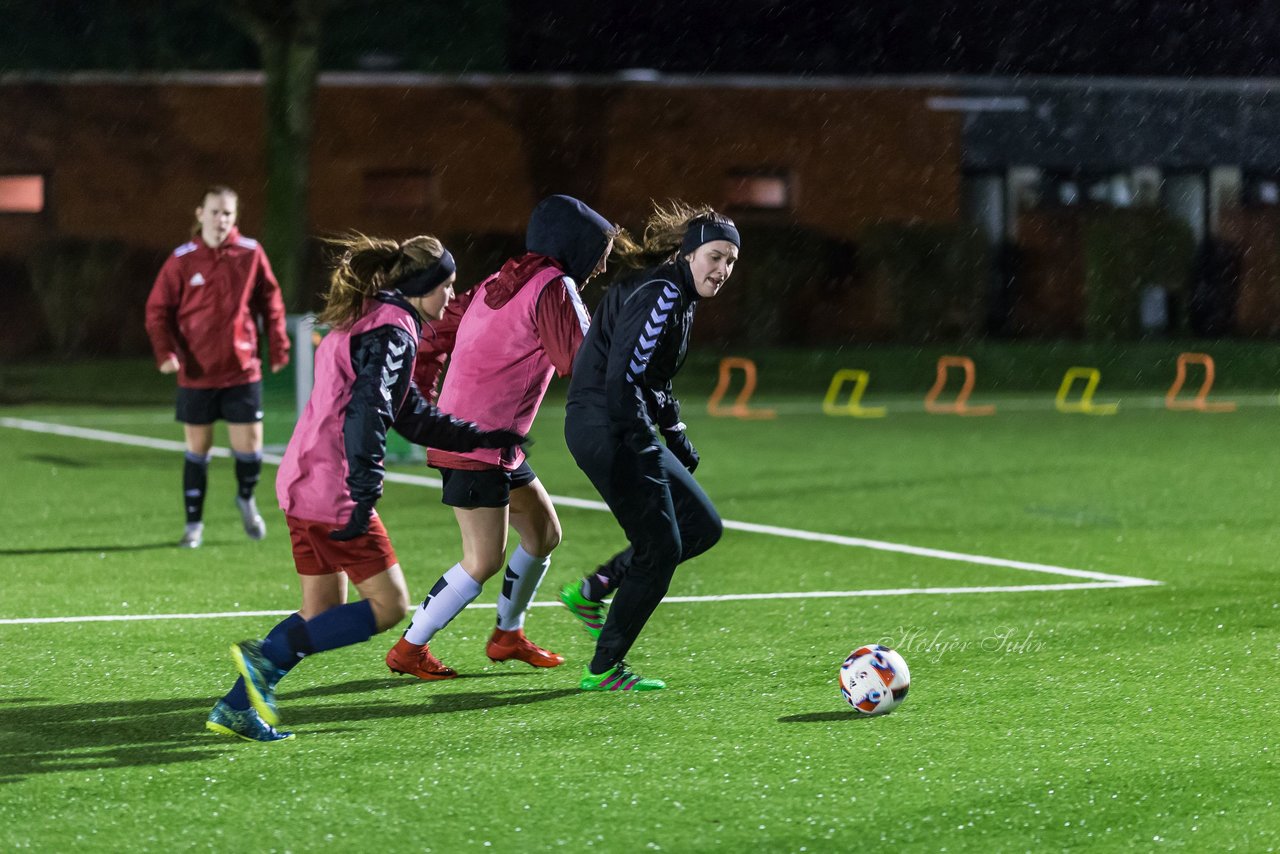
<point>128,160</point>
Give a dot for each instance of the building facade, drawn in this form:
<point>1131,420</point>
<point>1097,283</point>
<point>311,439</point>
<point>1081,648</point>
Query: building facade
<point>125,158</point>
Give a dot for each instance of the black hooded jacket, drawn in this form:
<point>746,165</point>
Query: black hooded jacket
<point>563,233</point>
<point>637,343</point>
<point>563,228</point>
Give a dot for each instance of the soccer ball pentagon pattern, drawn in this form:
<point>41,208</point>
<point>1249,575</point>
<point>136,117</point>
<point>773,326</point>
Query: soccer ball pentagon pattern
<point>874,679</point>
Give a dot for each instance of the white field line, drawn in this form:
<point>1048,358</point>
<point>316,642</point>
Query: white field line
<point>728,597</point>
<point>1099,579</point>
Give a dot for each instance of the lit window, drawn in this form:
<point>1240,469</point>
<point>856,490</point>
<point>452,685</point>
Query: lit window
<point>1262,190</point>
<point>400,192</point>
<point>758,191</point>
<point>1075,189</point>
<point>21,194</point>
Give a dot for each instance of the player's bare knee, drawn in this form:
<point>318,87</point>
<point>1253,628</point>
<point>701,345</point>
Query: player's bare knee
<point>483,567</point>
<point>547,540</point>
<point>389,610</point>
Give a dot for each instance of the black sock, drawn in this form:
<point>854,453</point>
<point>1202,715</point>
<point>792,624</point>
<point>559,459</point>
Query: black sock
<point>600,663</point>
<point>598,586</point>
<point>248,470</point>
<point>195,478</point>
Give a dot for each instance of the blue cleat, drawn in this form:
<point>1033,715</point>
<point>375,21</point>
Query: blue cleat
<point>246,724</point>
<point>260,677</point>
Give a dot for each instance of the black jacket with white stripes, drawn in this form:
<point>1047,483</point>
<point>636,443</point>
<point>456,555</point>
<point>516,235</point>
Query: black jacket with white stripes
<point>384,396</point>
<point>637,342</point>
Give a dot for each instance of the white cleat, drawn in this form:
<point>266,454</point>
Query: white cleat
<point>254,525</point>
<point>193,536</point>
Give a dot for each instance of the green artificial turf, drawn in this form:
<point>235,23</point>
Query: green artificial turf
<point>1108,718</point>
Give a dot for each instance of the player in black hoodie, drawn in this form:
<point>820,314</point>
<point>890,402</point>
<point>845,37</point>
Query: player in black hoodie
<point>514,331</point>
<point>619,401</point>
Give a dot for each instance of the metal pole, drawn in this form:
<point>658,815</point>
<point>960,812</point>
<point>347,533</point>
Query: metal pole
<point>303,359</point>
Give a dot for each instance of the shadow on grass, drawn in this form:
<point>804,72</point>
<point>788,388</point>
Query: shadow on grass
<point>54,460</point>
<point>821,717</point>
<point>41,738</point>
<point>70,550</point>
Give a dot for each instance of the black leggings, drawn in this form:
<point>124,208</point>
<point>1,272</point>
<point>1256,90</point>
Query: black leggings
<point>666,516</point>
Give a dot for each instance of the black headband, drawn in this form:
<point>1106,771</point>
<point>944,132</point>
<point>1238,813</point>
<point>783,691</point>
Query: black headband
<point>699,233</point>
<point>426,280</point>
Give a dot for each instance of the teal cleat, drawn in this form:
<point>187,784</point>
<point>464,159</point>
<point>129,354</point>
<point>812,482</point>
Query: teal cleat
<point>589,613</point>
<point>618,678</point>
<point>246,724</point>
<point>260,677</point>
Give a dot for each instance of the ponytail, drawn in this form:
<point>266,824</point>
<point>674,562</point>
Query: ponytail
<point>663,233</point>
<point>364,265</point>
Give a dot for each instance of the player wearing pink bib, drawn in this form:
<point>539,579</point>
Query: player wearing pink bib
<point>520,326</point>
<point>332,472</point>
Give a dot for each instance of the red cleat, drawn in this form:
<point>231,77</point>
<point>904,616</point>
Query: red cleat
<point>505,646</point>
<point>413,660</point>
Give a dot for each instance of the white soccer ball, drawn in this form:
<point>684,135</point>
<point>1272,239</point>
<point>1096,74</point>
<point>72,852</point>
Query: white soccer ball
<point>874,679</point>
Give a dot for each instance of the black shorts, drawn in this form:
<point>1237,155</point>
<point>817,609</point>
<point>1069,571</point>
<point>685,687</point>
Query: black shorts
<point>483,487</point>
<point>237,404</point>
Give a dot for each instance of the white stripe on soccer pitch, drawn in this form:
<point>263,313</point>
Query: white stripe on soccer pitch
<point>728,597</point>
<point>1104,579</point>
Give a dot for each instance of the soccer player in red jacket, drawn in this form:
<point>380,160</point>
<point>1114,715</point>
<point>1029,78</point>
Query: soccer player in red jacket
<point>202,318</point>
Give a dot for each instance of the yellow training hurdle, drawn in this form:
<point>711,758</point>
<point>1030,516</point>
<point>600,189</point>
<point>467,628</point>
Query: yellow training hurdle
<point>1085,404</point>
<point>854,406</point>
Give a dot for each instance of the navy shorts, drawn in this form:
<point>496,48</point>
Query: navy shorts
<point>237,404</point>
<point>483,487</point>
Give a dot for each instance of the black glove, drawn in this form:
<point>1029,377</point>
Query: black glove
<point>678,444</point>
<point>501,439</point>
<point>358,524</point>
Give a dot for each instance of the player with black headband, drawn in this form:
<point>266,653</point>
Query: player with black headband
<point>619,402</point>
<point>380,294</point>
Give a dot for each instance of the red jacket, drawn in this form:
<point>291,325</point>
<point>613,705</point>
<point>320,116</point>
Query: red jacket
<point>204,309</point>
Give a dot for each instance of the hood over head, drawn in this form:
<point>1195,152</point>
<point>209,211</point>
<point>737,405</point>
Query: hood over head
<point>566,230</point>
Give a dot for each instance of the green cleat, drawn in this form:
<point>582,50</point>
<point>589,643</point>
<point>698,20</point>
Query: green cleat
<point>260,677</point>
<point>618,678</point>
<point>589,613</point>
<point>246,724</point>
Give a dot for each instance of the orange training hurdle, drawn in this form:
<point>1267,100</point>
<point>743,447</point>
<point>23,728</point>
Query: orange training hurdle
<point>739,409</point>
<point>1199,402</point>
<point>960,406</point>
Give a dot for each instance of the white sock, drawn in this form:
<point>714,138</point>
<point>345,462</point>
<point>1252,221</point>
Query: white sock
<point>519,584</point>
<point>454,591</point>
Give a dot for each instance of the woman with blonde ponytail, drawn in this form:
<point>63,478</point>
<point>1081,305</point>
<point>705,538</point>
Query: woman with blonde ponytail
<point>380,293</point>
<point>620,400</point>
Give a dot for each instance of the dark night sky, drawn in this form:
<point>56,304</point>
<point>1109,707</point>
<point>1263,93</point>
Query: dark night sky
<point>1121,37</point>
<point>1152,38</point>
